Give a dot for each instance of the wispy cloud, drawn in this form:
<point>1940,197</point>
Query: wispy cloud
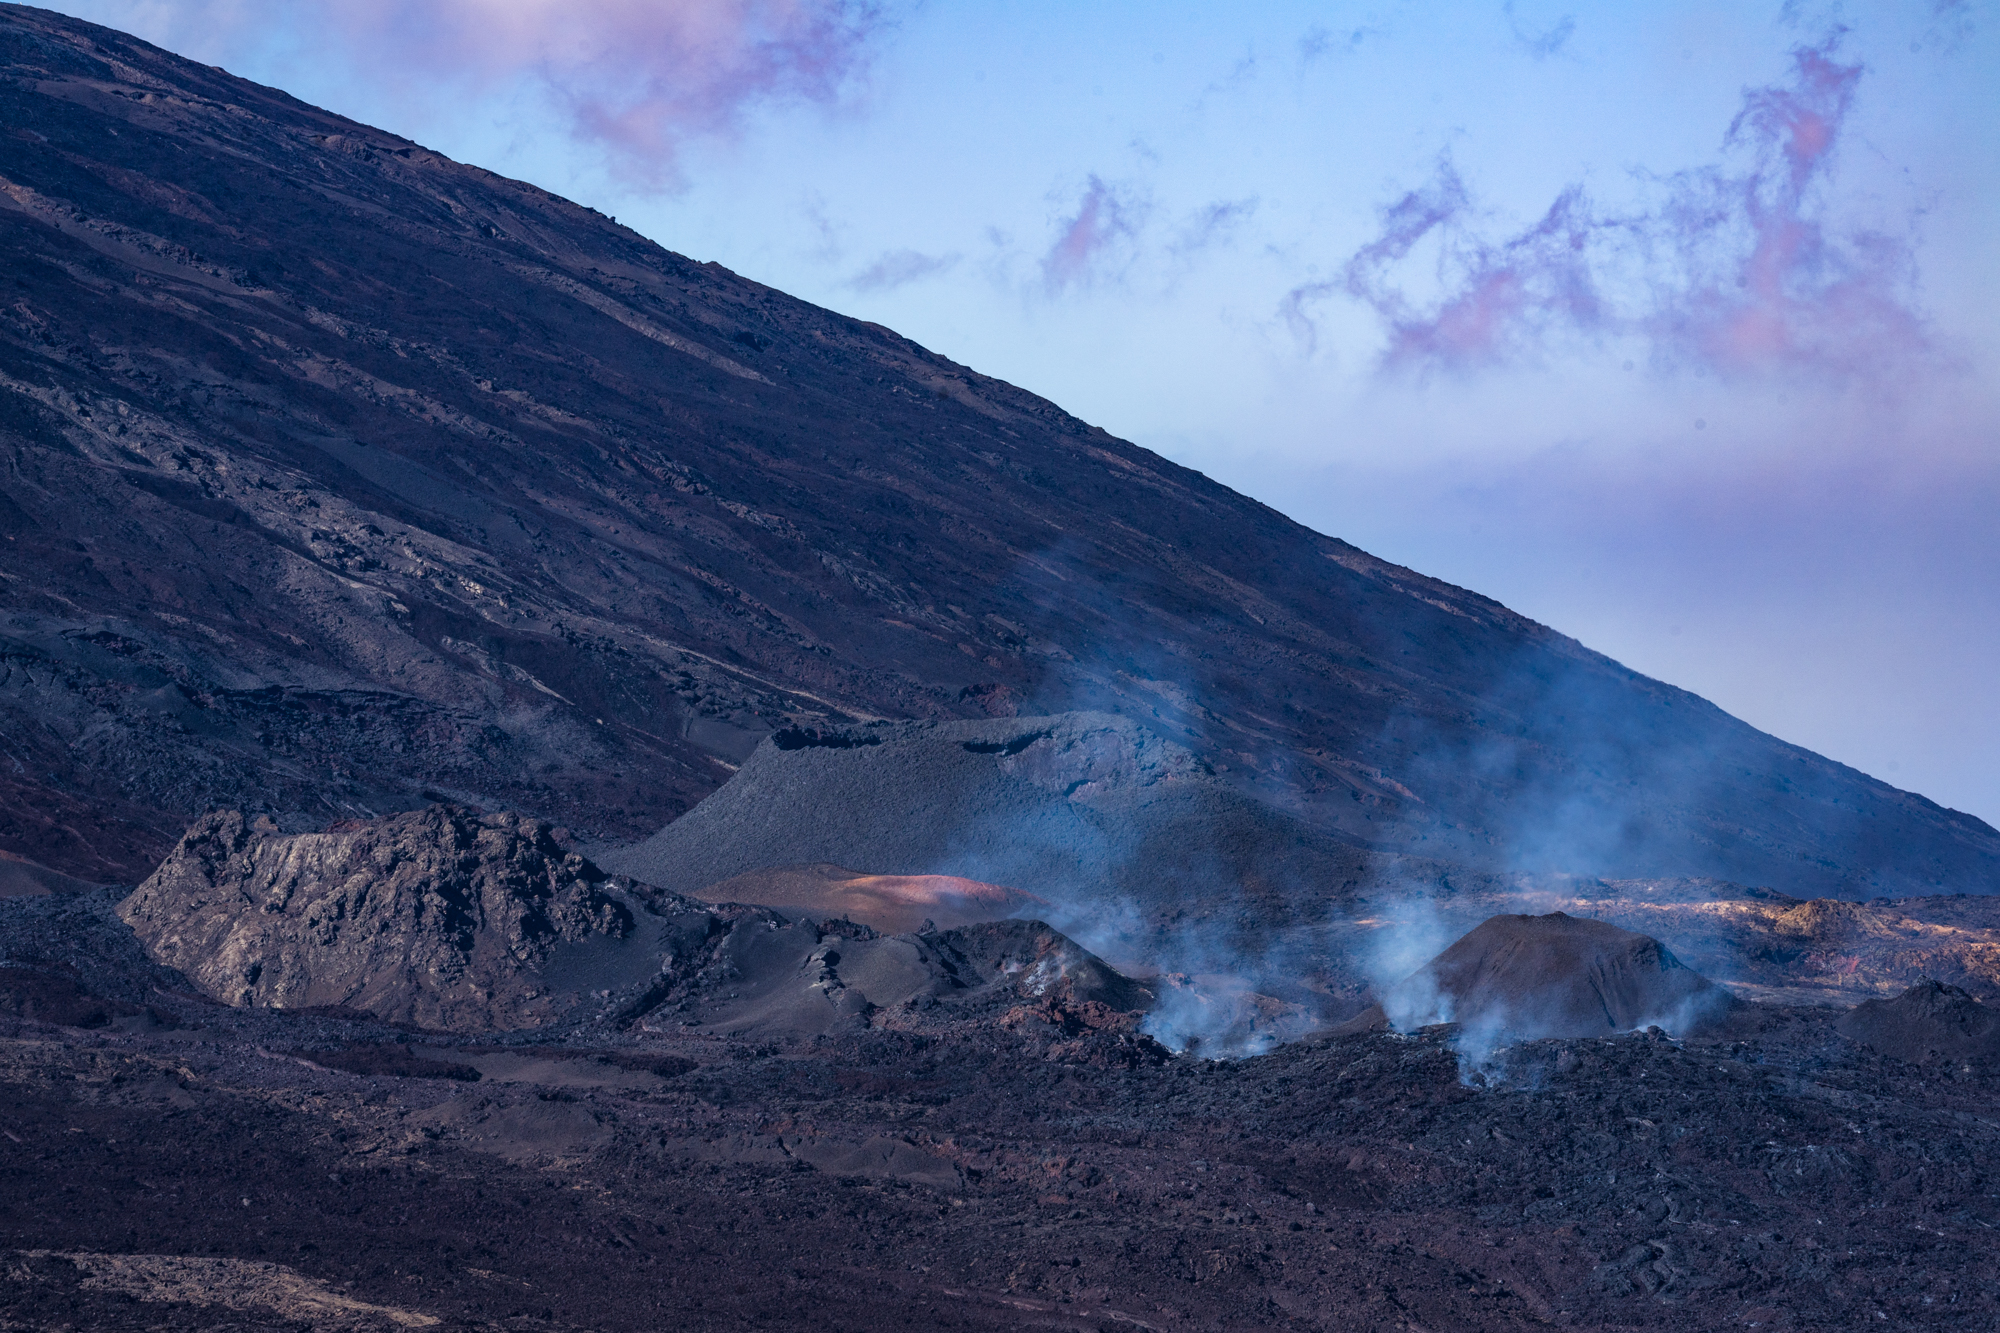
<point>1950,26</point>
<point>1319,42</point>
<point>1755,277</point>
<point>1103,227</point>
<point>1734,267</point>
<point>1499,300</point>
<point>636,76</point>
<point>1212,224</point>
<point>1543,43</point>
<point>900,267</point>
<point>1240,76</point>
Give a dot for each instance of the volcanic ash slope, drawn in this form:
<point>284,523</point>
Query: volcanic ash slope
<point>1521,978</point>
<point>443,917</point>
<point>1077,808</point>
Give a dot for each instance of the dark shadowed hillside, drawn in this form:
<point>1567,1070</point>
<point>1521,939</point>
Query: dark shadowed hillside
<point>338,477</point>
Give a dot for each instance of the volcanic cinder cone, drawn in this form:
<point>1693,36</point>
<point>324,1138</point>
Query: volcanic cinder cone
<point>1520,978</point>
<point>1929,1021</point>
<point>1077,807</point>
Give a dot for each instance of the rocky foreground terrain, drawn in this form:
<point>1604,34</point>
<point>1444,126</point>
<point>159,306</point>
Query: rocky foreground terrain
<point>964,1128</point>
<point>189,1166</point>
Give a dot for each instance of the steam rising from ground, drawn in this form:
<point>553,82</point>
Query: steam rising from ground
<point>1517,978</point>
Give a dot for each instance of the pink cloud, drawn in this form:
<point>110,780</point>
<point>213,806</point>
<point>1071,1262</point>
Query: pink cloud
<point>1763,282</point>
<point>1103,220</point>
<point>641,77</point>
<point>1496,300</point>
<point>638,75</point>
<point>1736,270</point>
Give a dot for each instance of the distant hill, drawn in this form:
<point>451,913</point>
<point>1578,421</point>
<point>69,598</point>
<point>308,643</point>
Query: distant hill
<point>340,477</point>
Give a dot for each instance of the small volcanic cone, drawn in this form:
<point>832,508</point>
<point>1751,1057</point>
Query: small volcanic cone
<point>1929,1021</point>
<point>892,904</point>
<point>1520,978</point>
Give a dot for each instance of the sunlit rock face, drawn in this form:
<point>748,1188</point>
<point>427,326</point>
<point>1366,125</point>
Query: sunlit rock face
<point>1521,978</point>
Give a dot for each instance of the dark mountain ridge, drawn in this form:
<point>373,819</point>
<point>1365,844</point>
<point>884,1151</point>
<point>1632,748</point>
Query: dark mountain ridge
<point>340,477</point>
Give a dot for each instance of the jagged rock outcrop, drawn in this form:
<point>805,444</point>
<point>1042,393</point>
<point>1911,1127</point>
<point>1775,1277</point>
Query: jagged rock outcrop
<point>443,918</point>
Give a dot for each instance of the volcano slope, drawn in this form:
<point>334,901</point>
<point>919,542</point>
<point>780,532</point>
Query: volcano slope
<point>1017,1157</point>
<point>342,477</point>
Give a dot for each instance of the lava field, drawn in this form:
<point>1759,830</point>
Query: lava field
<point>1036,1172</point>
<point>973,1129</point>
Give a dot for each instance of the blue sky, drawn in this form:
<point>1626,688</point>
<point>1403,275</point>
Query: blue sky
<point>1670,325</point>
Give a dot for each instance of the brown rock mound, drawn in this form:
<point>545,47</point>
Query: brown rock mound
<point>442,917</point>
<point>1929,1021</point>
<point>1520,978</point>
<point>892,904</point>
